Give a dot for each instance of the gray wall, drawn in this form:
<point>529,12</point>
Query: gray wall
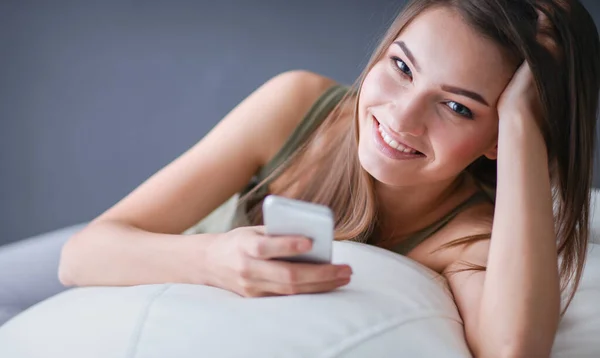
<point>95,96</point>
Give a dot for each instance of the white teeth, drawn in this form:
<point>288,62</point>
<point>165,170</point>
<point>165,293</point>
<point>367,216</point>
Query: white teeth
<point>392,143</point>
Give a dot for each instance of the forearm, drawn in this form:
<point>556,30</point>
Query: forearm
<point>115,254</point>
<point>521,299</point>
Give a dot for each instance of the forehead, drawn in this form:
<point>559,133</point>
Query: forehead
<point>451,52</point>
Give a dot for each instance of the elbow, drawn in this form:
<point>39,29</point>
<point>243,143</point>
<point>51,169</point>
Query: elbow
<point>65,265</point>
<point>64,277</point>
<point>68,264</point>
<point>523,351</point>
<point>486,343</point>
<point>531,336</point>
<point>515,349</point>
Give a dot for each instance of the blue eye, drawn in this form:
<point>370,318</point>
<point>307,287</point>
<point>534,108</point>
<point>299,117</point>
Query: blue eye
<point>401,66</point>
<point>460,109</point>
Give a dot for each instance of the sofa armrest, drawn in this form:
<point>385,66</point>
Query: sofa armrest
<point>28,270</point>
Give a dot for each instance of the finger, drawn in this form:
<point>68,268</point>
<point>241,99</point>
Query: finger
<point>270,288</point>
<point>297,273</point>
<point>520,74</point>
<point>268,247</point>
<point>524,71</point>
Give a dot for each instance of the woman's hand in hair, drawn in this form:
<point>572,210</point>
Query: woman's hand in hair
<point>240,261</point>
<point>520,104</point>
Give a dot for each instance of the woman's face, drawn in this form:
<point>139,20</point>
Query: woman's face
<point>427,107</point>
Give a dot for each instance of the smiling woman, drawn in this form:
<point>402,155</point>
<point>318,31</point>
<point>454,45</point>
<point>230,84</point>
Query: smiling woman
<point>469,119</point>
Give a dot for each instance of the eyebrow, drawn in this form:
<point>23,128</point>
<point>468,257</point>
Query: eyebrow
<point>463,92</point>
<point>408,54</point>
<point>459,91</point>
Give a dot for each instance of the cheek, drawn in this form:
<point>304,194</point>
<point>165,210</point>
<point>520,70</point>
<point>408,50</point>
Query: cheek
<point>468,148</point>
<point>378,87</point>
<point>465,149</point>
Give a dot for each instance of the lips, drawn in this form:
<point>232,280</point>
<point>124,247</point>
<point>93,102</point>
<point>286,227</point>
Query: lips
<point>393,140</point>
<point>388,151</point>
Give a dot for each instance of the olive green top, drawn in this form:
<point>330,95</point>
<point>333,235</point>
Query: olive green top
<point>313,118</point>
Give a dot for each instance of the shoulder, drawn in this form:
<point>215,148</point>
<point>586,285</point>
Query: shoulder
<point>474,222</point>
<point>299,82</point>
<point>446,248</point>
<point>284,100</point>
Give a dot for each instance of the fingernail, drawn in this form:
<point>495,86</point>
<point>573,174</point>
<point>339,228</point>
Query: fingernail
<point>344,273</point>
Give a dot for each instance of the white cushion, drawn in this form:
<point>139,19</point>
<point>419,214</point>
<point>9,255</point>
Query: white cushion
<point>28,271</point>
<point>579,331</point>
<point>393,307</point>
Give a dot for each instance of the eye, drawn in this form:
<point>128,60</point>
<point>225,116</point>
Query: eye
<point>401,66</point>
<point>460,109</point>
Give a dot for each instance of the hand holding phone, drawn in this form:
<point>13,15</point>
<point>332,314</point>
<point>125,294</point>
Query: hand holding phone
<point>277,259</point>
<point>248,262</point>
<point>284,216</point>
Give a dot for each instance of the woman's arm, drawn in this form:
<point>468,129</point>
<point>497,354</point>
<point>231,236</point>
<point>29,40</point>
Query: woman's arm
<point>137,240</point>
<point>117,254</point>
<point>512,310</point>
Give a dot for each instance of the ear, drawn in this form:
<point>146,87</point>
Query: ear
<point>492,153</point>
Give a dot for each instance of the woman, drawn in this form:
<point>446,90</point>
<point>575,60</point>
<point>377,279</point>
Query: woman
<point>471,116</point>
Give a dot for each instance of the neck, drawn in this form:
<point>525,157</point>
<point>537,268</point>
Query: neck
<point>404,209</point>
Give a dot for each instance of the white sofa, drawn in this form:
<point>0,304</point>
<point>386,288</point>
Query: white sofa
<point>393,307</point>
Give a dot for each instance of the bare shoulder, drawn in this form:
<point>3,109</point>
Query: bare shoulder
<point>435,252</point>
<point>476,220</point>
<point>222,162</point>
<point>290,95</point>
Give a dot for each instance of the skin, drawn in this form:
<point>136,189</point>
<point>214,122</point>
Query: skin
<point>508,310</point>
<point>409,100</point>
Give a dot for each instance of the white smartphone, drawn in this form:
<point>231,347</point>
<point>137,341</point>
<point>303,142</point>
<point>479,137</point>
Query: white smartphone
<point>284,216</point>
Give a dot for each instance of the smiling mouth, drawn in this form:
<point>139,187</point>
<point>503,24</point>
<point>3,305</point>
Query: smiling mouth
<point>393,144</point>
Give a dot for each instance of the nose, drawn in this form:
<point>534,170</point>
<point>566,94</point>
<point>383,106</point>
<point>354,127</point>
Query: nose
<point>406,115</point>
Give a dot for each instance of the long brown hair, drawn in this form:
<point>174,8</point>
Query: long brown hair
<point>563,50</point>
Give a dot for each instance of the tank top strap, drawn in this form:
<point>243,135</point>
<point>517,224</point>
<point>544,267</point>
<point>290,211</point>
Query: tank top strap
<point>311,121</point>
<point>415,239</point>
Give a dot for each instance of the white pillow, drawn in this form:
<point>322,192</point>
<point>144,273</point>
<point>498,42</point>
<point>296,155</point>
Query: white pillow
<point>579,331</point>
<point>393,307</point>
